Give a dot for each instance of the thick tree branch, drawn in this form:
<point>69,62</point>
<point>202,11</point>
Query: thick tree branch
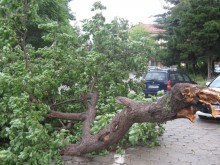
<point>91,112</point>
<point>181,102</point>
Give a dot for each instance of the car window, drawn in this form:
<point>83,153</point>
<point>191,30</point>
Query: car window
<point>172,77</point>
<point>186,77</point>
<point>215,83</point>
<point>160,76</point>
<point>179,77</point>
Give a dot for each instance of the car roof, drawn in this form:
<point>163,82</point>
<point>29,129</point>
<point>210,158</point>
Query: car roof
<point>157,70</point>
<point>161,70</point>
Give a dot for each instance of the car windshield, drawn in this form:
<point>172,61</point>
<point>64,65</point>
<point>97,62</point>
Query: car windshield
<point>215,83</point>
<point>159,76</point>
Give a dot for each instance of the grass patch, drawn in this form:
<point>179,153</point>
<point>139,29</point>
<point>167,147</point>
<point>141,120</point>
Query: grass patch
<point>200,80</point>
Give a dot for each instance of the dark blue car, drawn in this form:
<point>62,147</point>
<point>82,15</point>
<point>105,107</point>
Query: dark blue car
<point>163,80</point>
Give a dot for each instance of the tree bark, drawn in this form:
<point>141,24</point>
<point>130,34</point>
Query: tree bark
<point>181,102</point>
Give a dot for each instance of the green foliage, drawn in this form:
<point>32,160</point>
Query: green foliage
<point>32,71</point>
<point>145,133</point>
<point>143,43</point>
<point>29,80</point>
<point>139,33</point>
<point>98,6</point>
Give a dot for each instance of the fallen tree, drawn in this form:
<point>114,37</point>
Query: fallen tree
<point>182,102</point>
<point>46,78</point>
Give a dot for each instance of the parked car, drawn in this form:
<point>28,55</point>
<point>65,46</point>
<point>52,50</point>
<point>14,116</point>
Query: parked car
<point>204,111</point>
<point>217,69</point>
<point>163,80</point>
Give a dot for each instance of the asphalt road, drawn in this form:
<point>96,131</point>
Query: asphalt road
<point>183,143</point>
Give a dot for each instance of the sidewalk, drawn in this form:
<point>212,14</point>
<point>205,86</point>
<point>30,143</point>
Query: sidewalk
<point>183,143</point>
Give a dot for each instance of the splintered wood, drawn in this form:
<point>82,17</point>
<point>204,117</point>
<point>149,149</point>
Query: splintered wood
<point>188,113</point>
<point>206,96</point>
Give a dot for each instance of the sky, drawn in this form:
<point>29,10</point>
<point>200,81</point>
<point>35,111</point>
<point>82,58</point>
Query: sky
<point>135,11</point>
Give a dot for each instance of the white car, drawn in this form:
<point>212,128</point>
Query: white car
<point>204,111</point>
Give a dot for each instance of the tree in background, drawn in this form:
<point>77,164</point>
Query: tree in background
<point>193,33</point>
<point>144,42</point>
<point>34,13</point>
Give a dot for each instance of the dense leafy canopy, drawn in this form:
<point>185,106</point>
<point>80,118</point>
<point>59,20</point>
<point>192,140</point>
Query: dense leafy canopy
<point>45,63</point>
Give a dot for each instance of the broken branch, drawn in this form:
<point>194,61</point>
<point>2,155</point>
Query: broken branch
<point>181,102</point>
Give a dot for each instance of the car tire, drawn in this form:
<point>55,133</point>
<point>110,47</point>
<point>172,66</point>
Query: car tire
<point>202,117</point>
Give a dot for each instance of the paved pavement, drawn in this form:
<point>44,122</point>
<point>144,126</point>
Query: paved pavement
<point>183,143</point>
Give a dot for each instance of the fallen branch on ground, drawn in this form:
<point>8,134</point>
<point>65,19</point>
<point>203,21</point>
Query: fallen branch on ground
<point>181,102</point>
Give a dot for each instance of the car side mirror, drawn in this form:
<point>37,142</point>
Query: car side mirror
<point>207,83</point>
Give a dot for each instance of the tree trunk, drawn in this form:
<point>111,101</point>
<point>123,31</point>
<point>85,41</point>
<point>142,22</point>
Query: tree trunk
<point>209,61</point>
<point>181,102</point>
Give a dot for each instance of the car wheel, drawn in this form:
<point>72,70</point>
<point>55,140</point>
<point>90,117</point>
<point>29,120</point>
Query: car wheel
<point>202,117</point>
